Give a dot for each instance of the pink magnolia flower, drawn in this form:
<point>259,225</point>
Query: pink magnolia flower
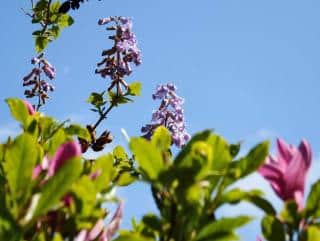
<point>287,172</point>
<point>30,108</point>
<point>64,153</point>
<point>99,231</point>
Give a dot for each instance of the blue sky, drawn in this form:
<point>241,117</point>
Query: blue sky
<point>248,69</point>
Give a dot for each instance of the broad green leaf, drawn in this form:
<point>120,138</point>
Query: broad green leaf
<point>147,156</point>
<point>251,162</point>
<point>20,159</point>
<point>41,43</point>
<point>313,201</point>
<point>79,131</point>
<point>220,151</point>
<point>222,226</point>
<point>103,165</point>
<point>202,136</point>
<point>273,229</point>
<point>135,88</point>
<point>85,192</point>
<point>125,179</point>
<point>161,138</point>
<point>18,110</point>
<point>311,234</point>
<point>54,189</point>
<point>237,195</point>
<point>65,21</point>
<point>152,221</point>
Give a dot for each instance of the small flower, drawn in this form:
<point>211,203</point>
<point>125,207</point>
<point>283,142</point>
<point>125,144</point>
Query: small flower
<point>287,172</point>
<point>169,114</point>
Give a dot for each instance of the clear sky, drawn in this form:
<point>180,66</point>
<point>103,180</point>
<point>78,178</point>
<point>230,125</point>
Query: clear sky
<point>247,68</point>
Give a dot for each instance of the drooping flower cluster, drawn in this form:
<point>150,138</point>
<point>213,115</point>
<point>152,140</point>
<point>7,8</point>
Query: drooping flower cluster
<point>99,231</point>
<point>116,61</point>
<point>39,86</point>
<point>169,114</point>
<point>287,172</point>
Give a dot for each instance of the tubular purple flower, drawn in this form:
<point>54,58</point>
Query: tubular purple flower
<point>114,224</point>
<point>169,114</point>
<point>39,87</point>
<point>287,172</point>
<point>116,61</point>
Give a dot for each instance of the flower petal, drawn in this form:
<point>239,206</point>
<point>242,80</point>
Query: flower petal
<point>64,153</point>
<point>30,108</point>
<point>306,152</point>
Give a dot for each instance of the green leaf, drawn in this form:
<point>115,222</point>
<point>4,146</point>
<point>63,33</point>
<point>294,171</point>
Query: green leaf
<point>20,159</point>
<point>41,43</point>
<point>65,21</point>
<point>201,136</point>
<point>18,110</point>
<point>222,226</point>
<point>161,138</point>
<point>273,229</point>
<point>55,31</point>
<point>148,157</point>
<point>119,153</point>
<point>251,162</point>
<point>125,179</point>
<point>58,185</point>
<point>311,234</point>
<point>54,7</point>
<point>312,208</point>
<point>135,89</point>
<point>96,99</point>
<point>221,154</point>
<point>236,195</point>
<point>78,131</point>
<point>104,165</point>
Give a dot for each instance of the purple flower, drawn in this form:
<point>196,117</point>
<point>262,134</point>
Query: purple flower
<point>169,114</point>
<point>287,172</point>
<point>117,60</point>
<point>39,86</point>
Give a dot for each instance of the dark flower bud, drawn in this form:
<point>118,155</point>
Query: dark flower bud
<point>65,7</point>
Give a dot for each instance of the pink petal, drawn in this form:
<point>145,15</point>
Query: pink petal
<point>29,107</point>
<point>298,197</point>
<point>96,230</point>
<point>284,152</point>
<point>114,224</point>
<point>64,153</point>
<point>306,152</point>
<point>295,176</point>
<point>81,236</point>
<point>36,171</point>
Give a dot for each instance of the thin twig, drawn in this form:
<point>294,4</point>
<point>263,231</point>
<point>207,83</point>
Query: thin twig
<point>102,117</point>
